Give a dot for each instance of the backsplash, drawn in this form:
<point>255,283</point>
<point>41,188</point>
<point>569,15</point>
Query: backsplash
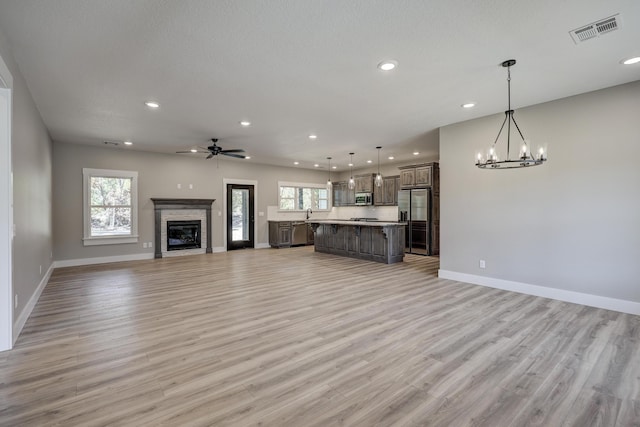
<point>383,213</point>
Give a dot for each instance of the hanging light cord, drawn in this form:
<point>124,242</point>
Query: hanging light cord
<point>508,116</point>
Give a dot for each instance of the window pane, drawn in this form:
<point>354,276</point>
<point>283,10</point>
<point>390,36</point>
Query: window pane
<point>110,221</point>
<point>288,192</point>
<point>240,214</point>
<point>322,204</point>
<point>306,198</point>
<point>286,204</point>
<point>323,193</point>
<point>110,191</point>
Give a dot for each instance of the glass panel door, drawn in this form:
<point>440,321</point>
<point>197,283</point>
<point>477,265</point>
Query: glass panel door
<point>240,219</point>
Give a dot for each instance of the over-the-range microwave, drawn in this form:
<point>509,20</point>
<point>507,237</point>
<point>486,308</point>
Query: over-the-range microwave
<point>363,199</point>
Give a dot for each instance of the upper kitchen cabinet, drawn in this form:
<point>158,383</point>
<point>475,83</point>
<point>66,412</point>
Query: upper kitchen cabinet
<point>387,195</point>
<point>342,195</point>
<point>418,175</point>
<point>364,183</point>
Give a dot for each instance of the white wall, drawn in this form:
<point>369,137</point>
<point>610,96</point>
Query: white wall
<point>571,225</point>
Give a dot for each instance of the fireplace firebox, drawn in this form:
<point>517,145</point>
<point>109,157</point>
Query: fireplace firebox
<point>183,235</point>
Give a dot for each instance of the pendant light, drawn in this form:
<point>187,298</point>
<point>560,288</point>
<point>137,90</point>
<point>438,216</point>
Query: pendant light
<point>329,183</point>
<point>352,183</point>
<point>378,180</point>
<point>527,158</point>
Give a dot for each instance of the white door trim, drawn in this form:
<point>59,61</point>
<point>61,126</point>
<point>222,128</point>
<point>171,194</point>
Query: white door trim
<point>226,181</point>
<point>6,210</point>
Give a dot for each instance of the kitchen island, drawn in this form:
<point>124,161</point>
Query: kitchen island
<point>371,240</point>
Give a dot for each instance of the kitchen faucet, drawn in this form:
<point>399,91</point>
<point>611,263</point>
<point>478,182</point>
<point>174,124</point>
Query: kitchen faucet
<point>309,212</point>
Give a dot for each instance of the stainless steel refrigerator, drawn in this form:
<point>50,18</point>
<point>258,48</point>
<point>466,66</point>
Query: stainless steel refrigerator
<point>414,207</point>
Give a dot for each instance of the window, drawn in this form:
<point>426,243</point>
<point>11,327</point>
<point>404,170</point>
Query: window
<point>300,197</point>
<point>110,206</point>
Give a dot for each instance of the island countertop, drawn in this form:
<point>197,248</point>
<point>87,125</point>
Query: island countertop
<point>369,223</point>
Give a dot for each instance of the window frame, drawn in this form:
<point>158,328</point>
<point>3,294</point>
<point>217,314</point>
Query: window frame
<point>298,186</point>
<point>88,239</point>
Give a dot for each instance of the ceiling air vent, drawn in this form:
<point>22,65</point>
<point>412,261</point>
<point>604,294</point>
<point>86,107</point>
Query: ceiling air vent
<point>596,29</point>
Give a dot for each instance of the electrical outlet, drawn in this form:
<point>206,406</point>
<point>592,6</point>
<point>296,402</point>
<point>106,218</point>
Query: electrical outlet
<point>150,244</point>
<point>483,264</point>
<point>190,186</point>
<point>179,186</point>
<point>144,245</point>
<point>15,303</point>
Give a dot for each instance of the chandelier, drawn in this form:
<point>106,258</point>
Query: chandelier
<point>527,158</point>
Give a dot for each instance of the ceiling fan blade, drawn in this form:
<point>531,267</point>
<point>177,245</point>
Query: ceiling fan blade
<point>239,156</point>
<point>191,152</point>
<point>209,156</point>
<point>235,150</point>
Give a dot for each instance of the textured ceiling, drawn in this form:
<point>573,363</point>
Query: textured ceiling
<point>296,67</point>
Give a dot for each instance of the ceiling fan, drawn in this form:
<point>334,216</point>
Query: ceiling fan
<point>214,150</point>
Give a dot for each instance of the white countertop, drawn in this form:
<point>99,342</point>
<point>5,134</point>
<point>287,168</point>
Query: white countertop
<point>361,223</point>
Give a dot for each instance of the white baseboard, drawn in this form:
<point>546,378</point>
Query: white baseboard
<point>590,300</point>
<point>217,249</point>
<point>101,260</point>
<point>28,308</point>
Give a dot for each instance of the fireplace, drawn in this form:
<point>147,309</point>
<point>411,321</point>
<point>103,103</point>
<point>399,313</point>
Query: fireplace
<point>183,235</point>
<point>166,210</point>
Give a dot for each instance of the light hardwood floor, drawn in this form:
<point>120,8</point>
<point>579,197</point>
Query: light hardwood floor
<point>293,338</point>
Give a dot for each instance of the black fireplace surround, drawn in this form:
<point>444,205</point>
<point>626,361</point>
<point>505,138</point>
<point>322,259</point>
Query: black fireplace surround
<point>183,235</point>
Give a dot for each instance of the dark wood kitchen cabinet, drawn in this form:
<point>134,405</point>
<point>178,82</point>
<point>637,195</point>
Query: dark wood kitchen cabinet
<point>279,234</point>
<point>387,195</point>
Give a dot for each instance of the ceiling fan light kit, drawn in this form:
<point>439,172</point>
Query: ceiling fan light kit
<point>526,158</point>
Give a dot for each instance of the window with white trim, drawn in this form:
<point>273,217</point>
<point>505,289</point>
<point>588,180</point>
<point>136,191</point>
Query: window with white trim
<point>300,197</point>
<point>110,206</point>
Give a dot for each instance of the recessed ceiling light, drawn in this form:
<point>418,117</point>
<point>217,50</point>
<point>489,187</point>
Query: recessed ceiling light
<point>334,167</point>
<point>415,153</point>
<point>631,61</point>
<point>316,165</point>
<point>312,136</point>
<point>247,157</point>
<point>369,161</point>
<point>387,65</point>
<point>391,157</point>
<point>296,163</point>
<point>193,150</point>
<point>245,123</point>
<point>350,164</point>
<point>152,104</point>
<point>468,105</point>
<point>128,143</point>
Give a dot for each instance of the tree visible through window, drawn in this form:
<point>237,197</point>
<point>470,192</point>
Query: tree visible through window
<point>303,197</point>
<point>110,206</point>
